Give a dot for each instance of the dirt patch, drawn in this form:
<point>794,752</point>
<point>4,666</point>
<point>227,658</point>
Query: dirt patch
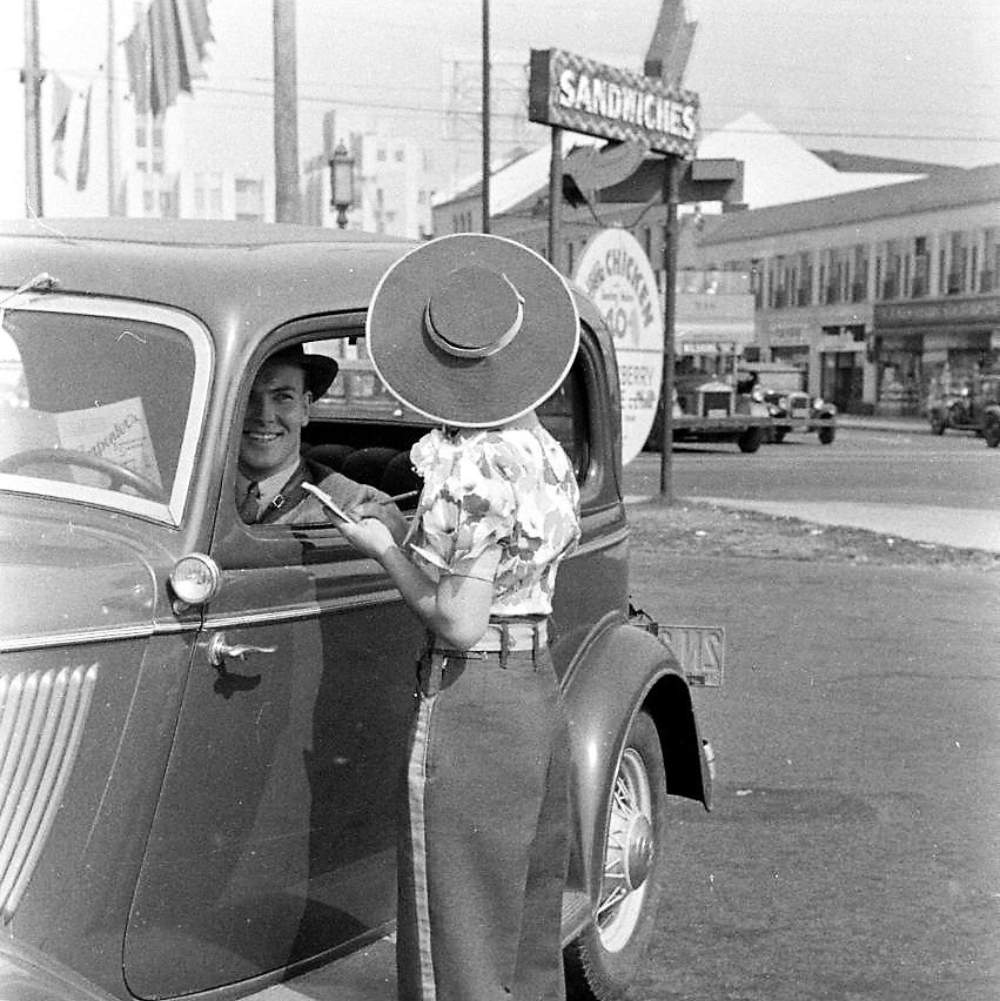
<point>702,529</point>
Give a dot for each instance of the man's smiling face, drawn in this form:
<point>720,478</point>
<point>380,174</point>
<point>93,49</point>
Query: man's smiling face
<point>276,414</point>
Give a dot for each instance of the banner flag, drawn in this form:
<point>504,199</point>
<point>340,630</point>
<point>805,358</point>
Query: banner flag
<point>137,58</point>
<point>201,25</point>
<point>61,97</point>
<point>83,164</point>
<point>165,51</point>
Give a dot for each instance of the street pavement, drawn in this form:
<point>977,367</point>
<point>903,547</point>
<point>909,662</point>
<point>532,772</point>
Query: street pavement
<point>974,529</point>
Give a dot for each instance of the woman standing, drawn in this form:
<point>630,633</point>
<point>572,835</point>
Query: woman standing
<point>476,331</point>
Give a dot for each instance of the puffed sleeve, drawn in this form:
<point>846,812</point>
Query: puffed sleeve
<point>467,503</point>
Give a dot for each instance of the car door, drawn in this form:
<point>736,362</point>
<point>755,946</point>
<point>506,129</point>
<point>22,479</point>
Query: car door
<point>274,837</point>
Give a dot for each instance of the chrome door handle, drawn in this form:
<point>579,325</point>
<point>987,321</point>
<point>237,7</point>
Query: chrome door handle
<point>219,651</point>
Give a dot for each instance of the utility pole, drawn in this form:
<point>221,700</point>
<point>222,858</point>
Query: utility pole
<point>671,183</point>
<point>31,77</point>
<point>486,116</point>
<point>555,198</point>
<point>112,126</point>
<point>286,129</point>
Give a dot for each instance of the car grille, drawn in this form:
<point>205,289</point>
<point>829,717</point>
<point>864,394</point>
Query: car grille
<point>715,404</point>
<point>41,719</point>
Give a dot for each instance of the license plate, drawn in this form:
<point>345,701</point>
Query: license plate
<point>700,651</point>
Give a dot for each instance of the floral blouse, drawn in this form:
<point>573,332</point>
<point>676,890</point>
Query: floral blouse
<point>513,486</point>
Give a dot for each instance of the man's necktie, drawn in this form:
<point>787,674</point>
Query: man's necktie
<point>250,505</point>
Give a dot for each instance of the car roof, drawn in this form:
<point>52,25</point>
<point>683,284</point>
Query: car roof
<point>231,275</point>
<point>241,279</point>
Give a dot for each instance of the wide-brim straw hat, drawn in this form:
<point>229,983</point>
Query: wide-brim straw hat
<point>472,330</point>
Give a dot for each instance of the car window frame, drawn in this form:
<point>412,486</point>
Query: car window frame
<point>325,542</point>
<point>290,545</point>
<point>172,512</point>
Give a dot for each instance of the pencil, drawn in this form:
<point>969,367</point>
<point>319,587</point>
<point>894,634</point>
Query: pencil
<point>400,497</point>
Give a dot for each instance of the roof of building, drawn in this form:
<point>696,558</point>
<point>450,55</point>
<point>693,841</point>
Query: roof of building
<point>517,179</point>
<point>851,163</point>
<point>954,188</point>
<point>777,169</point>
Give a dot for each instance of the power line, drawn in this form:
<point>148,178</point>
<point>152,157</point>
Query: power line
<point>409,109</point>
<point>475,114</point>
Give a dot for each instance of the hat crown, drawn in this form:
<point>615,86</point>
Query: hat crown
<point>474,312</point>
<point>472,330</point>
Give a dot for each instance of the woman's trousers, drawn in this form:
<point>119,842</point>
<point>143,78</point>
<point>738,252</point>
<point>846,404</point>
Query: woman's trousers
<point>484,835</point>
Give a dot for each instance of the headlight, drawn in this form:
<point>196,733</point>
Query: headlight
<point>818,403</point>
<point>783,402</point>
<point>195,578</point>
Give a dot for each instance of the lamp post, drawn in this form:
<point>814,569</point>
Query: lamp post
<point>341,182</point>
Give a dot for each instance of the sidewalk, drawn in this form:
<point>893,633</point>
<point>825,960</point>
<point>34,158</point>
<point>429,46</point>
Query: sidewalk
<point>913,425</point>
<point>938,526</point>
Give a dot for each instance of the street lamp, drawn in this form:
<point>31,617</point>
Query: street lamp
<point>341,182</point>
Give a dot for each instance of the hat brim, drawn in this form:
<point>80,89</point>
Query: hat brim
<point>320,372</point>
<point>472,392</point>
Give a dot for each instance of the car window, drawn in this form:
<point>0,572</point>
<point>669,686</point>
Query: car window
<point>360,430</point>
<point>100,402</point>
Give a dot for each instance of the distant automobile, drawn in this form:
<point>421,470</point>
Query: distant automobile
<point>976,408</point>
<point>781,389</point>
<point>798,411</point>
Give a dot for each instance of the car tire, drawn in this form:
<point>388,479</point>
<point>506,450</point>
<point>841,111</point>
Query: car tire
<point>749,440</point>
<point>826,435</point>
<point>991,431</point>
<point>601,961</point>
<point>938,424</point>
<point>779,435</point>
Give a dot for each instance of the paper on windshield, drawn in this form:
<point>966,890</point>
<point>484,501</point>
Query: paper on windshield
<point>115,431</point>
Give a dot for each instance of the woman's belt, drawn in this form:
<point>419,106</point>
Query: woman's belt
<point>510,636</point>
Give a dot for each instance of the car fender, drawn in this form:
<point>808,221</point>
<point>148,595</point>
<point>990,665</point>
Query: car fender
<point>27,974</point>
<point>622,670</point>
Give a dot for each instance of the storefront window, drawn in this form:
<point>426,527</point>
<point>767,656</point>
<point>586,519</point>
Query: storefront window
<point>989,277</point>
<point>859,277</point>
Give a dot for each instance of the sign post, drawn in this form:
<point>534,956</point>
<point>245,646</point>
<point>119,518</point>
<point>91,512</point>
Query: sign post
<point>567,91</point>
<point>670,233</point>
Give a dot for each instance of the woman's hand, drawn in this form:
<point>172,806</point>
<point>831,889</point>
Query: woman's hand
<point>370,536</point>
<point>380,509</point>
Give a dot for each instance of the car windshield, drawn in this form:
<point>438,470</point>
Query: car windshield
<point>101,403</point>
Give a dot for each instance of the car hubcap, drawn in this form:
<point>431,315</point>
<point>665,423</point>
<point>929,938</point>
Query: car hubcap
<point>629,854</point>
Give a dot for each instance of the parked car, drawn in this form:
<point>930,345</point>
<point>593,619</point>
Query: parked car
<point>781,388</point>
<point>798,411</point>
<point>202,721</point>
<point>976,407</point>
<point>706,409</point>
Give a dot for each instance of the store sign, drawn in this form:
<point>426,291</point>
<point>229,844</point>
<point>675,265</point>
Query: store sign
<point>615,272</point>
<point>788,336</point>
<point>576,93</point>
<point>986,308</point>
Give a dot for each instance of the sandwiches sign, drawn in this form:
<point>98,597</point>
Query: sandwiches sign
<point>578,94</point>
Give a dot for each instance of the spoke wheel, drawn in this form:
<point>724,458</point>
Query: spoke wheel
<point>602,960</point>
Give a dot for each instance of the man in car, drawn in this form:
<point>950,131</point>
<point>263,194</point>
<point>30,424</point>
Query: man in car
<point>271,468</point>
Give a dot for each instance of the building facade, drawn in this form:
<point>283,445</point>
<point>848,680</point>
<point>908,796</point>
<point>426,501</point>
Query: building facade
<point>883,297</point>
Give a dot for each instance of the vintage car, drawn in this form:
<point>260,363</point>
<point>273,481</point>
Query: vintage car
<point>202,721</point>
<point>781,389</point>
<point>710,409</point>
<point>976,407</point>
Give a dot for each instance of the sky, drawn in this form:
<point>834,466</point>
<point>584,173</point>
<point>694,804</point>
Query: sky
<point>916,79</point>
